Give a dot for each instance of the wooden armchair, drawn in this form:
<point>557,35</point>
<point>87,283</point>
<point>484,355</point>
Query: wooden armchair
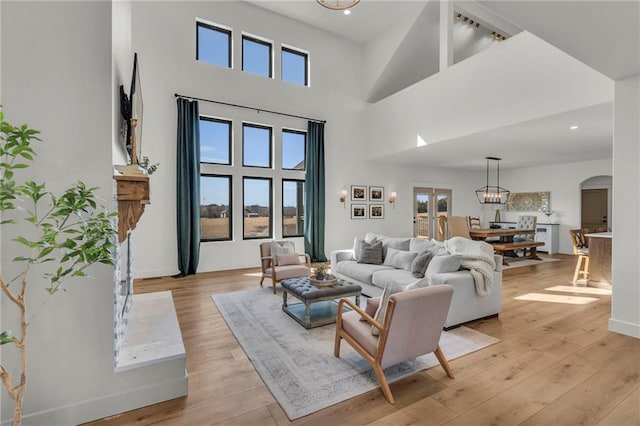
<point>287,266</point>
<point>412,326</point>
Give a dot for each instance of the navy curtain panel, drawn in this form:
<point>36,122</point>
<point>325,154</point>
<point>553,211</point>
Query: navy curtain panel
<point>314,193</point>
<point>188,186</point>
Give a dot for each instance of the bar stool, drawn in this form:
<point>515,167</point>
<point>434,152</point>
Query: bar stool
<point>581,249</point>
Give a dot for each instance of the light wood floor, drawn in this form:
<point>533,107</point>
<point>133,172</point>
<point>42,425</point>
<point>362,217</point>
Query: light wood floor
<point>556,364</point>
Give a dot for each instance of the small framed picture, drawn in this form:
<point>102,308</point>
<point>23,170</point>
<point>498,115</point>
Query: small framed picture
<point>358,211</point>
<point>376,211</point>
<point>358,193</point>
<point>376,193</point>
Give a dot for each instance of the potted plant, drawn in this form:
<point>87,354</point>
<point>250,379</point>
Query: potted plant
<point>321,271</point>
<point>70,232</point>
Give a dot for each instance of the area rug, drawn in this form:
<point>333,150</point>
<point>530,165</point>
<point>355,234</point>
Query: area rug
<point>528,262</point>
<point>298,365</point>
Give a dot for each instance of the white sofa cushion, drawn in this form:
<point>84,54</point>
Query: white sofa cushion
<point>402,277</point>
<point>443,263</point>
<point>361,271</point>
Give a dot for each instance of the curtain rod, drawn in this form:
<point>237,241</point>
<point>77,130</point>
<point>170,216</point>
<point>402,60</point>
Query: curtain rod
<point>177,95</point>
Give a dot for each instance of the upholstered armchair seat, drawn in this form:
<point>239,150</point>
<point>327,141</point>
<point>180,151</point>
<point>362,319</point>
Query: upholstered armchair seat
<point>411,327</point>
<point>277,273</point>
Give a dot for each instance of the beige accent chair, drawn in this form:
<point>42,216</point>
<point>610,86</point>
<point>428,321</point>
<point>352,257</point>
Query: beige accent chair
<point>459,227</point>
<point>279,273</point>
<point>580,249</point>
<point>526,222</point>
<point>412,327</point>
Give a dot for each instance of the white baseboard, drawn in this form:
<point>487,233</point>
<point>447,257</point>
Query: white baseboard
<point>108,405</point>
<point>626,328</point>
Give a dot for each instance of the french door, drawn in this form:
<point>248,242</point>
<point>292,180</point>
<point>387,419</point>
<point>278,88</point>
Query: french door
<point>431,211</point>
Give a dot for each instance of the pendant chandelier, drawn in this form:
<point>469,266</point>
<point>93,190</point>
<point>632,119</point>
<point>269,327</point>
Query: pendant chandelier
<point>492,194</point>
<point>338,4</point>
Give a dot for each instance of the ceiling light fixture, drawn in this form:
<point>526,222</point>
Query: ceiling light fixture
<point>347,12</point>
<point>493,194</point>
<point>573,128</point>
<point>338,4</point>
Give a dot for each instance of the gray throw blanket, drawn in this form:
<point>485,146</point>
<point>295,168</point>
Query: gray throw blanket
<point>477,256</point>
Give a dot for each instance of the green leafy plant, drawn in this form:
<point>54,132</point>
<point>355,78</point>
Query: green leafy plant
<point>145,163</point>
<point>70,232</point>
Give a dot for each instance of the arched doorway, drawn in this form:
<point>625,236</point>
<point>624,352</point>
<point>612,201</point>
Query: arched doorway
<point>595,196</point>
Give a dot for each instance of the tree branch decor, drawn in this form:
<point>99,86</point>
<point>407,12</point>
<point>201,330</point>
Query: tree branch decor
<point>71,232</point>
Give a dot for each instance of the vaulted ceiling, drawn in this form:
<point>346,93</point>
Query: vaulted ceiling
<point>603,35</point>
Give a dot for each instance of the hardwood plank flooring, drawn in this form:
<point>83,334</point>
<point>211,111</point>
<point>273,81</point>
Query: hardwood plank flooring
<point>555,364</point>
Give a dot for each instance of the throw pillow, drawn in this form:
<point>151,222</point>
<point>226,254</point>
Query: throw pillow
<point>420,263</point>
<point>419,245</point>
<point>357,246</point>
<point>399,259</point>
<point>288,259</point>
<point>371,253</point>
<point>443,263</point>
<point>391,288</point>
<point>287,247</point>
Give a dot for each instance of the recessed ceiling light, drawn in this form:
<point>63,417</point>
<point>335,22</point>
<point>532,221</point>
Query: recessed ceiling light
<point>347,12</point>
<point>573,128</point>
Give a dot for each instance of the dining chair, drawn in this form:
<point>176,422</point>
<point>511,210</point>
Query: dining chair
<point>474,222</point>
<point>287,264</point>
<point>459,227</point>
<point>411,327</point>
<point>580,249</point>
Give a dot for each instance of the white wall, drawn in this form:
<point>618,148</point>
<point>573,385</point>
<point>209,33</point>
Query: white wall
<point>625,302</point>
<point>57,76</point>
<point>563,181</point>
<point>335,95</point>
<point>122,64</point>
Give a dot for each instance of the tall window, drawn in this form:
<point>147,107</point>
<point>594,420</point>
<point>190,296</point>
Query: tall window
<point>292,208</point>
<point>215,208</point>
<point>213,45</point>
<point>256,56</point>
<point>294,66</point>
<point>215,141</point>
<point>293,149</point>
<point>257,207</point>
<point>256,145</point>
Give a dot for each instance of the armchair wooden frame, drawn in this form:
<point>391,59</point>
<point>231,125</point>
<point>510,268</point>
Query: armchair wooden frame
<point>376,360</point>
<point>267,262</point>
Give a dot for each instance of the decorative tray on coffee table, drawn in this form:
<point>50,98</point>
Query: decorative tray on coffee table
<point>328,281</point>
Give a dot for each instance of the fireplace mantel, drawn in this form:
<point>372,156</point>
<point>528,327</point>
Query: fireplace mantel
<point>133,194</point>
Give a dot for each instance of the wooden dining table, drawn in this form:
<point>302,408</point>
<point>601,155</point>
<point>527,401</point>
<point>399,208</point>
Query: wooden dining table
<point>505,235</point>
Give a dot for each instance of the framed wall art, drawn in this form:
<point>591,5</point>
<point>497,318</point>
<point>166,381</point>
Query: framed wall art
<point>376,193</point>
<point>376,211</point>
<point>358,193</point>
<point>358,211</point>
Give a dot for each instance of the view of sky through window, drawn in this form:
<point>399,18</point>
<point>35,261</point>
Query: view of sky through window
<point>293,147</point>
<point>215,141</point>
<point>256,57</point>
<point>214,45</point>
<point>256,148</point>
<point>294,67</point>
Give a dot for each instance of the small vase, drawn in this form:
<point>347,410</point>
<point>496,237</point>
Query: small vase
<point>497,218</point>
<point>320,277</point>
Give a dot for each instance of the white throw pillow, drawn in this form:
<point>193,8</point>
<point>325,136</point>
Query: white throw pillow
<point>276,250</point>
<point>443,263</point>
<point>391,288</point>
<point>399,259</point>
<point>419,245</point>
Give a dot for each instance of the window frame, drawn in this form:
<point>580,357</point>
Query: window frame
<point>258,126</point>
<point>270,180</point>
<point>299,52</point>
<point>230,142</point>
<point>221,29</point>
<point>284,180</point>
<point>304,159</point>
<point>264,42</point>
<point>230,208</point>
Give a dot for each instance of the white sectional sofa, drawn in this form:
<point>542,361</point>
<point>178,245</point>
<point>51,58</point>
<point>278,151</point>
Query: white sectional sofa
<point>466,305</point>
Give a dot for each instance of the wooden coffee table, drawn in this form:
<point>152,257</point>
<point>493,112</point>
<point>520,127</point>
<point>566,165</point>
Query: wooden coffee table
<point>318,305</point>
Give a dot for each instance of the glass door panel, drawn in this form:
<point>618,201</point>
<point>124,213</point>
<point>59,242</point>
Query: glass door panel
<point>431,210</point>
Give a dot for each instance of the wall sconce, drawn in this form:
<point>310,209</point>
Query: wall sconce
<point>392,199</point>
<point>343,197</point>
